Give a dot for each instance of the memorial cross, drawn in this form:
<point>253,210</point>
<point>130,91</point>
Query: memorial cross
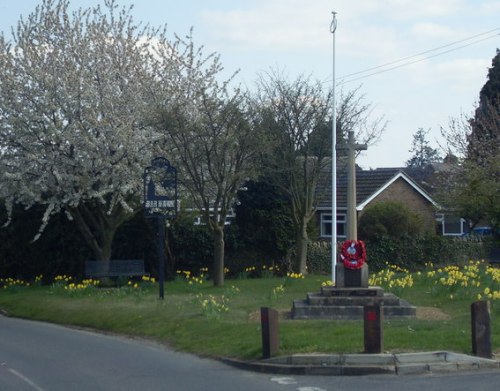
<point>351,218</point>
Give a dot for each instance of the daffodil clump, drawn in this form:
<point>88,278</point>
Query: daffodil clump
<point>144,283</point>
<point>12,283</point>
<point>458,277</point>
<point>133,285</point>
<point>62,279</point>
<point>276,292</point>
<point>295,276</point>
<point>263,271</point>
<point>86,286</point>
<point>269,271</point>
<point>393,277</point>
<point>488,294</point>
<point>232,291</point>
<point>148,279</point>
<point>250,269</point>
<point>82,285</point>
<point>60,282</point>
<point>191,278</point>
<point>69,285</point>
<point>291,278</point>
<point>212,306</point>
<point>475,280</point>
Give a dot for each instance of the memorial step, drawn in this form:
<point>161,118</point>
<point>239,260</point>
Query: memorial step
<point>303,310</point>
<point>320,299</point>
<point>352,291</point>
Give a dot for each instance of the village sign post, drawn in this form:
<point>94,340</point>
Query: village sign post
<point>160,202</point>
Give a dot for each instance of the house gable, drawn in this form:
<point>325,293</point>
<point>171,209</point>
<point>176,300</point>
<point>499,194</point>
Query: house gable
<point>396,180</point>
<point>373,186</point>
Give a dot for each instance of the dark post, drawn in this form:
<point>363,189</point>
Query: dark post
<point>160,202</point>
<point>270,335</point>
<point>373,318</point>
<point>161,256</point>
<point>481,330</point>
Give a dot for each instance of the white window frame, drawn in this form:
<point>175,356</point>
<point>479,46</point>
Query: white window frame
<point>198,220</point>
<point>441,219</point>
<point>326,219</point>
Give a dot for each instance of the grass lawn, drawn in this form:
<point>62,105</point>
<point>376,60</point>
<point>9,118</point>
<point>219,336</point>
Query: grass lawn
<point>225,321</point>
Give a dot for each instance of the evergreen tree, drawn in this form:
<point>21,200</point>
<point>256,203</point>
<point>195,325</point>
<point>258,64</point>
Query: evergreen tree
<point>472,189</point>
<point>423,153</point>
<point>484,139</point>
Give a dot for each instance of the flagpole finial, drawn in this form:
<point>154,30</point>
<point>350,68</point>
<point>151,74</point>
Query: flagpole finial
<point>333,26</point>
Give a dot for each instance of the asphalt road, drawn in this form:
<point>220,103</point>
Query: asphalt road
<point>40,356</point>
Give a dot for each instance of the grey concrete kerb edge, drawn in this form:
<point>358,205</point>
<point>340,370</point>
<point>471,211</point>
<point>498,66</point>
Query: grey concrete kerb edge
<point>367,364</point>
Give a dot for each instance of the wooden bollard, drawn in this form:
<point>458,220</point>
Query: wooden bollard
<point>270,334</point>
<point>481,329</point>
<point>374,335</point>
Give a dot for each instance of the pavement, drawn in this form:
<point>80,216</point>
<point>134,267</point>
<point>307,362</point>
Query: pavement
<point>368,364</point>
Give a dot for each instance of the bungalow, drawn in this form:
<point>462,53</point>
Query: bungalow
<point>383,184</point>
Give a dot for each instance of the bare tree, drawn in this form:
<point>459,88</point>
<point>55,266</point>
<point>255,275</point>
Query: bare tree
<point>456,136</point>
<point>295,114</point>
<point>208,133</point>
<point>356,115</point>
<point>298,116</point>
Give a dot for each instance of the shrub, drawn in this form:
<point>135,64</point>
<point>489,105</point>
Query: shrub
<point>263,219</point>
<point>389,218</point>
<point>319,257</point>
<point>414,253</point>
<point>407,253</point>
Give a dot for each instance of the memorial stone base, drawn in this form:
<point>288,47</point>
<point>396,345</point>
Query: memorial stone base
<point>349,296</point>
<point>351,278</point>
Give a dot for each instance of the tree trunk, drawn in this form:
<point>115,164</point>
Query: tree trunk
<point>107,237</point>
<point>301,248</point>
<point>218,236</point>
<point>100,242</point>
<point>98,228</point>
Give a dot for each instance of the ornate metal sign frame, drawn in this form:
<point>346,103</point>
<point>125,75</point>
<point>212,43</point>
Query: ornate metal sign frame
<point>160,189</point>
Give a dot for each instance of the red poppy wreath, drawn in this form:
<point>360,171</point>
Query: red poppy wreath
<point>353,254</point>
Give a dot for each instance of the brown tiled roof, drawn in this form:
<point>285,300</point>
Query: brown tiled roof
<point>368,182</point>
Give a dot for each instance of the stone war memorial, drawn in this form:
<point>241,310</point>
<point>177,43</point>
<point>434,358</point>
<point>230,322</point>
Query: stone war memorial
<point>350,294</point>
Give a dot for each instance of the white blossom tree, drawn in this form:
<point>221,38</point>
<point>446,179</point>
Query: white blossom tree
<point>76,96</point>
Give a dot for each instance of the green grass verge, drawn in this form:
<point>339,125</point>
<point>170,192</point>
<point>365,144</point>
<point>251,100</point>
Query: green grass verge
<point>225,321</point>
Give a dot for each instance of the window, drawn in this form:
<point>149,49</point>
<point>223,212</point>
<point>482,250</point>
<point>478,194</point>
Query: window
<point>199,220</point>
<point>326,225</point>
<point>449,225</point>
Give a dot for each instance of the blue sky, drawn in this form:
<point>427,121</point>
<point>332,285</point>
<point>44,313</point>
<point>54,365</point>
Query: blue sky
<point>293,35</point>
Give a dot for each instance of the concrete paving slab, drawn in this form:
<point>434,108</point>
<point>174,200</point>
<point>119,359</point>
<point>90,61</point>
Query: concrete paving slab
<point>369,359</point>
<point>426,357</point>
<point>412,369</point>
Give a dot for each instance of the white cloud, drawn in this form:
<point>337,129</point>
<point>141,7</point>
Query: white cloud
<point>294,34</point>
<point>273,25</point>
<point>433,31</point>
<point>490,7</point>
<point>410,9</point>
<point>464,74</point>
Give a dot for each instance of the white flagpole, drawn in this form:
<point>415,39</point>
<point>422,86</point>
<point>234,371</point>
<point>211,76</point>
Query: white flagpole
<point>333,28</point>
